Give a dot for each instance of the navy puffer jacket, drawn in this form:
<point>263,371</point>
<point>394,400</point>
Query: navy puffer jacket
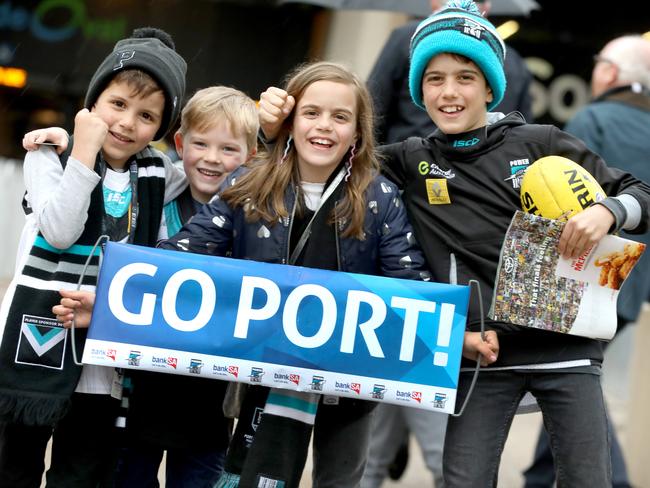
<point>389,248</point>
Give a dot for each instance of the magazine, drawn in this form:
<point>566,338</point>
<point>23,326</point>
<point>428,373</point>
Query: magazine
<point>536,287</point>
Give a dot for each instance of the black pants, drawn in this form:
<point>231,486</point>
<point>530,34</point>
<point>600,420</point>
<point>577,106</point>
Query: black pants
<point>83,448</point>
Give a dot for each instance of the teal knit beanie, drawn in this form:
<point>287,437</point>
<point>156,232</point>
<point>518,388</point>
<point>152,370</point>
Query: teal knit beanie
<point>458,28</point>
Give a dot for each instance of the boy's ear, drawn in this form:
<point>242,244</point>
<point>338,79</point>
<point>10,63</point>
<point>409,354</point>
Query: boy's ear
<point>178,142</point>
<point>490,95</point>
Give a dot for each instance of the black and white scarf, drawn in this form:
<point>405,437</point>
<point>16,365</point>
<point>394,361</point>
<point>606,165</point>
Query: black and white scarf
<point>37,371</point>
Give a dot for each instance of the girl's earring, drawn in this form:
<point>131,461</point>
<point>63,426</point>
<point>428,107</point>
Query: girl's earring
<point>348,163</point>
<point>287,148</point>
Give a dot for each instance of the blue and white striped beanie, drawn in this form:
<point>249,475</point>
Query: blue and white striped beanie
<point>459,28</point>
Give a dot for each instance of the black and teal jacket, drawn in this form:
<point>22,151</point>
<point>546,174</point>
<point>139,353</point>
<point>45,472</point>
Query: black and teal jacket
<point>461,192</point>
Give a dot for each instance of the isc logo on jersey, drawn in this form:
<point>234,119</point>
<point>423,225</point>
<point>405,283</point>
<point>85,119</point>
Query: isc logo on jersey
<point>555,187</point>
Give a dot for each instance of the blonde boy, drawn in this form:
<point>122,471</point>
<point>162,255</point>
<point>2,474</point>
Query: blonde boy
<point>218,133</point>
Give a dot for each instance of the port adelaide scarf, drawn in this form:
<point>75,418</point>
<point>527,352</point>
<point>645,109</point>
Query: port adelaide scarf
<point>38,374</point>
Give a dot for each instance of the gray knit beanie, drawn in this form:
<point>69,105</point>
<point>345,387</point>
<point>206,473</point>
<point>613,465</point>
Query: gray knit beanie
<point>150,50</point>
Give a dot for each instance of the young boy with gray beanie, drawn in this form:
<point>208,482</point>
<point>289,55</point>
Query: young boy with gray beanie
<point>108,182</point>
<point>461,188</point>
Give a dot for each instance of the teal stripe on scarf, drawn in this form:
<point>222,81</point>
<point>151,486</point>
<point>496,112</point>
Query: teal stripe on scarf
<point>74,249</point>
<point>292,402</point>
<point>228,480</point>
<point>172,218</point>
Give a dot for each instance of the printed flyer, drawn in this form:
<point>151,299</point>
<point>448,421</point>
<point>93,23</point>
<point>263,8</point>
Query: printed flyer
<point>536,287</point>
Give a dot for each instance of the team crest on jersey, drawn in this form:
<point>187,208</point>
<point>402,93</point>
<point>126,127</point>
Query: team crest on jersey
<point>517,169</point>
<point>437,191</point>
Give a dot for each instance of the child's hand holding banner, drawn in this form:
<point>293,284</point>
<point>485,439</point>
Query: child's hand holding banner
<point>365,337</point>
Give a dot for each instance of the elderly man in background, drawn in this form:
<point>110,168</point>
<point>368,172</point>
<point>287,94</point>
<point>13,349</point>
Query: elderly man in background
<point>616,125</point>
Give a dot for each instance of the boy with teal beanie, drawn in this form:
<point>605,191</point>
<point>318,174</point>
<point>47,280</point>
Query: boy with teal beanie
<point>459,29</point>
<point>461,189</point>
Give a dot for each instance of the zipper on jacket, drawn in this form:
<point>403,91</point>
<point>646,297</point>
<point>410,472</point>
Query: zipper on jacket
<point>285,260</point>
<point>336,238</point>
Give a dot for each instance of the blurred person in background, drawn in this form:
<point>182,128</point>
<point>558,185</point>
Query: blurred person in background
<point>616,125</point>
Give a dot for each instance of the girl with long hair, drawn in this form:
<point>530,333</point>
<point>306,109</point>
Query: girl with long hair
<point>316,199</point>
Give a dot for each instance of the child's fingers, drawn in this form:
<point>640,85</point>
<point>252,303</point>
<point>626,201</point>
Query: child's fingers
<point>492,339</point>
<point>70,303</point>
<point>30,141</point>
<point>62,314</point>
<point>269,112</point>
<point>277,101</point>
<point>289,104</point>
<point>77,295</point>
<point>488,356</point>
<point>272,106</point>
<point>81,114</point>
